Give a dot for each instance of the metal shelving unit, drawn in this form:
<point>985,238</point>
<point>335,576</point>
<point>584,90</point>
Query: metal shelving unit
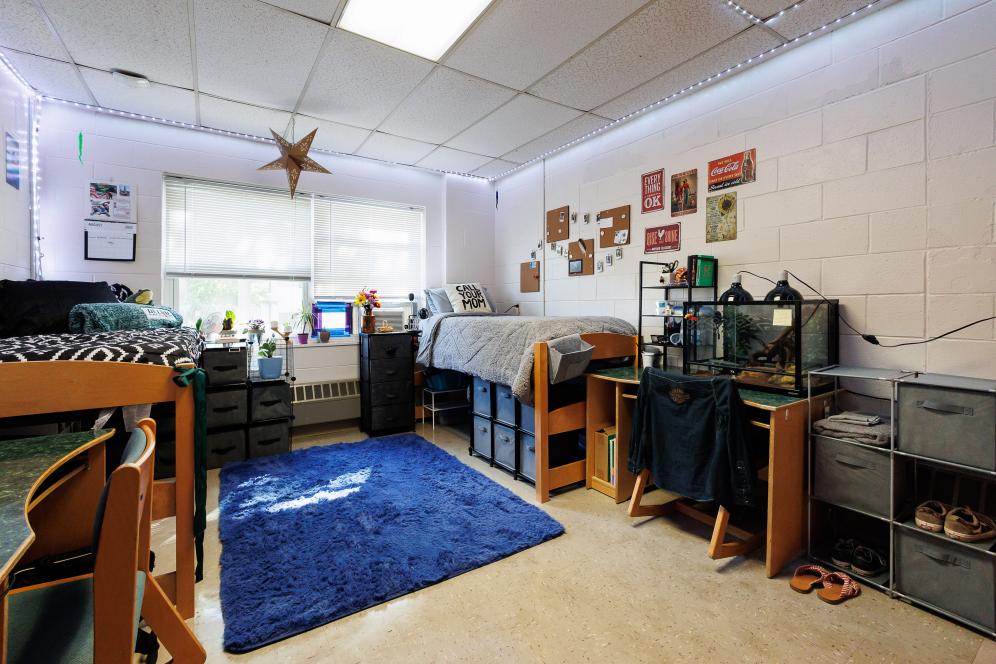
<point>686,288</point>
<point>447,402</point>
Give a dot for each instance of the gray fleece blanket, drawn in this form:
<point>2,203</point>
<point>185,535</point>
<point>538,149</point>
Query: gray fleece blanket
<point>500,348</point>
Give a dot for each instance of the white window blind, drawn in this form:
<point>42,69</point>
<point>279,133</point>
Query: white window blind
<point>214,228</point>
<point>367,245</point>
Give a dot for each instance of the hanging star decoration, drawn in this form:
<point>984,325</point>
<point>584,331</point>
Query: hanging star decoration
<point>294,159</point>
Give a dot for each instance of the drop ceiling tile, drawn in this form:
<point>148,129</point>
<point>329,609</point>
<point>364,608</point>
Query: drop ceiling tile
<point>394,148</point>
<point>51,77</point>
<point>519,41</point>
<point>747,44</point>
<point>811,15</point>
<point>235,116</point>
<point>519,121</point>
<point>359,82</point>
<point>456,161</point>
<point>443,105</point>
<point>320,10</point>
<point>161,101</point>
<point>150,37</point>
<point>23,28</point>
<point>332,135</point>
<point>254,52</point>
<point>494,168</point>
<point>765,8</point>
<point>659,37</point>
<point>564,134</point>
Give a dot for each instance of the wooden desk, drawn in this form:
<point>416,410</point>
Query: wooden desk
<point>49,490</point>
<point>782,418</point>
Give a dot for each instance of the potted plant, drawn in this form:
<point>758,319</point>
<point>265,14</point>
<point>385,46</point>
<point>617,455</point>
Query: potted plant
<point>255,329</point>
<point>269,365</point>
<point>306,321</point>
<point>228,323</point>
<point>368,300</point>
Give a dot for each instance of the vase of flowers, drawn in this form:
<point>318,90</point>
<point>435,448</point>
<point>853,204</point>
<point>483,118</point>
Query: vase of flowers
<point>367,300</point>
<point>255,329</point>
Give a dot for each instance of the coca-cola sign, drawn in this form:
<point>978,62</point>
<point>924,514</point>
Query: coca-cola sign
<point>739,168</point>
<point>652,191</point>
<point>662,238</point>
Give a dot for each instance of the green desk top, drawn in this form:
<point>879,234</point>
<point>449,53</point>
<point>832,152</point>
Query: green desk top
<point>22,462</point>
<point>756,397</point>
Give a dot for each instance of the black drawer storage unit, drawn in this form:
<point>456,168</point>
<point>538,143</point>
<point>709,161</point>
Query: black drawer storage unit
<point>502,429</point>
<point>942,447</point>
<point>387,370</point>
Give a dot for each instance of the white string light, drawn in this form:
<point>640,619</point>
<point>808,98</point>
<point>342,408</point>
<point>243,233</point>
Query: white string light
<point>36,237</point>
<point>693,86</point>
<point>31,92</point>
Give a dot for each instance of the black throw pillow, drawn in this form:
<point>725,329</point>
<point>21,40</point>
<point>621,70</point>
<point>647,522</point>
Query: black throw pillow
<point>42,307</point>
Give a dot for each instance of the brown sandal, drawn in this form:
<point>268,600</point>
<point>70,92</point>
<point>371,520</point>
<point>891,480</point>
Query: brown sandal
<point>838,587</point>
<point>966,525</point>
<point>807,577</point>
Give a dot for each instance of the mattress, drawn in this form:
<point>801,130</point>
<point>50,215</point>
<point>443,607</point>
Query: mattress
<point>163,347</point>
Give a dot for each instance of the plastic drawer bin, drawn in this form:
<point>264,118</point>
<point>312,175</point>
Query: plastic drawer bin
<point>851,476</point>
<point>504,438</point>
<point>527,456</point>
<point>569,357</point>
<point>482,397</point>
<point>949,424</point>
<point>482,437</point>
<point>504,405</point>
<point>956,578</point>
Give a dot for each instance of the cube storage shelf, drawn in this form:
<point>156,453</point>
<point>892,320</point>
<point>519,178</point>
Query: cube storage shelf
<point>502,429</point>
<point>942,446</point>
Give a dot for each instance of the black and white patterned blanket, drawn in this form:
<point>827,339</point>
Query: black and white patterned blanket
<point>164,347</point>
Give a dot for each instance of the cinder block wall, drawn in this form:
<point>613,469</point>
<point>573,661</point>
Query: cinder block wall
<point>876,184</point>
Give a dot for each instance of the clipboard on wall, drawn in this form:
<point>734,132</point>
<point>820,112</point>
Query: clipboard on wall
<point>529,277</point>
<point>557,224</point>
<point>581,258</point>
<point>613,227</point>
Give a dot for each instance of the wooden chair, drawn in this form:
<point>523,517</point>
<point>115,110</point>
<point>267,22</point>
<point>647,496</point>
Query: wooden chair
<point>95,617</point>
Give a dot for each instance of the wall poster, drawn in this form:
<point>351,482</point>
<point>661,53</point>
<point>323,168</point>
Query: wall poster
<point>684,192</point>
<point>111,202</point>
<point>736,169</point>
<point>12,161</point>
<point>721,217</point>
<point>662,238</point>
<point>652,191</point>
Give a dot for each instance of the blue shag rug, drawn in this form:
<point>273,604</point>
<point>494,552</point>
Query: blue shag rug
<point>320,533</point>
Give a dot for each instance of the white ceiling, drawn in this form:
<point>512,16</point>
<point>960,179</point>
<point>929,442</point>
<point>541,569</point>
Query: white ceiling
<point>527,77</point>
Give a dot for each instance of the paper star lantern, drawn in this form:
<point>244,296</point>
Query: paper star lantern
<point>294,159</point>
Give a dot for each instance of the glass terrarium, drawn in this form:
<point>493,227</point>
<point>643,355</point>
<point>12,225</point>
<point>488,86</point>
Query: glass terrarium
<point>767,345</point>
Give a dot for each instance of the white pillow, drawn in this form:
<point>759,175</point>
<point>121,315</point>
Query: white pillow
<point>467,297</point>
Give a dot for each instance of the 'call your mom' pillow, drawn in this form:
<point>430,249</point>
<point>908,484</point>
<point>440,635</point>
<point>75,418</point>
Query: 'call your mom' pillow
<point>467,297</point>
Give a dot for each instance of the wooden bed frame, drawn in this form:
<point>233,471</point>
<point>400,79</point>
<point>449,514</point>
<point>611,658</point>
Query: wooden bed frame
<point>567,418</point>
<point>37,388</point>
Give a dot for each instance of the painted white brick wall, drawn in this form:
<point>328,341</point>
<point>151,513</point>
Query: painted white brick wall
<point>875,184</point>
<point>15,222</point>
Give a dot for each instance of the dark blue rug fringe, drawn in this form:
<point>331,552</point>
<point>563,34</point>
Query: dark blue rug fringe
<point>315,535</point>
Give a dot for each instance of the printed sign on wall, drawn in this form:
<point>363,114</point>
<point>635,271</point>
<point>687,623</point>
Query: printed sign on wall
<point>684,192</point>
<point>739,168</point>
<point>721,217</point>
<point>662,238</point>
<point>111,202</point>
<point>652,191</point>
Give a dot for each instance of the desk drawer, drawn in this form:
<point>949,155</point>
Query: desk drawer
<point>269,439</point>
<point>225,366</point>
<point>527,456</point>
<point>390,370</point>
<point>948,424</point>
<point>226,408</point>
<point>482,437</point>
<point>271,401</point>
<point>225,446</point>
<point>852,476</point>
<point>482,391</point>
<point>382,394</point>
<point>395,346</point>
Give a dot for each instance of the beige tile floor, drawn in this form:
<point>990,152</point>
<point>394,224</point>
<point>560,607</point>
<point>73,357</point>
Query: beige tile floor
<point>612,589</point>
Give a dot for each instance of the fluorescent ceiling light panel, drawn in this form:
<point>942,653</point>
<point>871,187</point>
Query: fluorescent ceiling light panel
<point>427,27</point>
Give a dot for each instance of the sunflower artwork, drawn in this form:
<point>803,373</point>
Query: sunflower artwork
<point>721,217</point>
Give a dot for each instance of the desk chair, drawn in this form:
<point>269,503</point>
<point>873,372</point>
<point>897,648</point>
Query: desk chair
<point>94,617</point>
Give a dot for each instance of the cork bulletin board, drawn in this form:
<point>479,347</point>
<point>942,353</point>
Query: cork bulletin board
<point>558,224</point>
<point>581,258</point>
<point>613,227</point>
<point>529,277</point>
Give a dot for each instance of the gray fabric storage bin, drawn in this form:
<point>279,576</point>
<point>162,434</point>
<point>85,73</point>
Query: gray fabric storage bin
<point>225,366</point>
<point>947,423</point>
<point>527,456</point>
<point>851,476</point>
<point>391,417</point>
<point>226,408</point>
<point>482,397</point>
<point>271,401</point>
<point>950,576</point>
<point>569,357</point>
<point>383,394</point>
<point>527,418</point>
<point>504,438</point>
<point>269,439</point>
<point>504,405</point>
<point>225,446</point>
<point>482,437</point>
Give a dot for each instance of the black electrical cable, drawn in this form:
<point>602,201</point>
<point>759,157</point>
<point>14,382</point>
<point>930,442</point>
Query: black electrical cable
<point>754,275</point>
<point>872,339</point>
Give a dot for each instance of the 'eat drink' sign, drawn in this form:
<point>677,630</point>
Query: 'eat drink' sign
<point>652,187</point>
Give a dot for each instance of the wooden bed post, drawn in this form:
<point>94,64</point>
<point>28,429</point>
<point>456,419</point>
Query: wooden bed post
<point>184,496</point>
<point>541,396</point>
